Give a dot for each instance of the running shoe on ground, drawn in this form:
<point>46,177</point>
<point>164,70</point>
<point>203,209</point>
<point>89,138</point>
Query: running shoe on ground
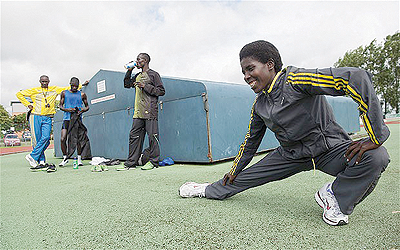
<point>63,163</point>
<point>97,168</point>
<point>31,161</point>
<point>51,168</point>
<point>332,214</point>
<point>148,166</point>
<point>129,164</point>
<point>124,168</point>
<point>193,189</point>
<point>40,167</point>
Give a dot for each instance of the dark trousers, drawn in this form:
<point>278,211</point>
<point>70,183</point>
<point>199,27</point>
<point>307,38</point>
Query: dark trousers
<point>136,138</point>
<point>352,184</point>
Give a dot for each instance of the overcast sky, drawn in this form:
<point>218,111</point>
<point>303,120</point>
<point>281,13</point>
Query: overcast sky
<point>190,39</point>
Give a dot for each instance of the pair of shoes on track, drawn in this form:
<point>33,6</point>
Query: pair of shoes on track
<point>65,161</point>
<point>49,168</point>
<point>99,168</point>
<point>325,198</point>
<point>129,165</point>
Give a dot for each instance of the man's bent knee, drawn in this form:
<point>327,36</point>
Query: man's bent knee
<point>377,158</point>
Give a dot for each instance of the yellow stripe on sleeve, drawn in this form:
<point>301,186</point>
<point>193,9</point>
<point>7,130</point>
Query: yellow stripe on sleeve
<point>241,150</point>
<point>328,81</point>
<point>368,128</point>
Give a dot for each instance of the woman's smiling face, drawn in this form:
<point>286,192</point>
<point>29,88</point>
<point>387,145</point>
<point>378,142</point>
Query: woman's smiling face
<point>258,75</point>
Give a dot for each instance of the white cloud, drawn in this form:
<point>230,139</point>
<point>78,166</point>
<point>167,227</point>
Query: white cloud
<point>185,39</point>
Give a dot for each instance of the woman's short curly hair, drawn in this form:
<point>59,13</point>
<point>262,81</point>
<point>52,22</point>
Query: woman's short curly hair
<point>263,52</point>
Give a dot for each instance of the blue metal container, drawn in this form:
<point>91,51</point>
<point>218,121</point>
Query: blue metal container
<point>199,121</point>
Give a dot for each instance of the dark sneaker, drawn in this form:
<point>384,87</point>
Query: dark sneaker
<point>124,168</point>
<point>51,168</point>
<point>332,214</point>
<point>129,164</point>
<point>40,167</point>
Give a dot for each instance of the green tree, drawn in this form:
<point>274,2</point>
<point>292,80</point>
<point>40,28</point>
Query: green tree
<point>20,122</point>
<point>382,60</point>
<point>391,54</point>
<point>352,58</point>
<point>5,119</point>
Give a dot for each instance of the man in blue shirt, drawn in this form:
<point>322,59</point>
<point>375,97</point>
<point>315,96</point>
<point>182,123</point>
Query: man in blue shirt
<point>72,100</point>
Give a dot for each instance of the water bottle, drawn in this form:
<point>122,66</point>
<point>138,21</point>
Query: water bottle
<point>75,163</point>
<point>130,65</point>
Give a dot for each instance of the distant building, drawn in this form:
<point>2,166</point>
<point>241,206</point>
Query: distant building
<point>17,108</point>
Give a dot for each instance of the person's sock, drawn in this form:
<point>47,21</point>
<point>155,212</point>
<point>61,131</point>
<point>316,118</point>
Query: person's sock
<point>79,160</point>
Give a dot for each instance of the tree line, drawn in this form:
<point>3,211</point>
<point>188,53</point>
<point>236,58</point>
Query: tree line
<point>382,60</point>
<point>7,121</point>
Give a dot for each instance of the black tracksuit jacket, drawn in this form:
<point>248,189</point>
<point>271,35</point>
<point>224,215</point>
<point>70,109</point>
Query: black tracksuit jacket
<point>295,109</point>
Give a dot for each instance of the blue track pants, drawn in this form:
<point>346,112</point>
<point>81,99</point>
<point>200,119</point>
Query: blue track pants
<point>40,129</point>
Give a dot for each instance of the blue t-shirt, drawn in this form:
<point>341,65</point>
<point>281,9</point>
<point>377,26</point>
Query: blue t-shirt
<point>71,100</point>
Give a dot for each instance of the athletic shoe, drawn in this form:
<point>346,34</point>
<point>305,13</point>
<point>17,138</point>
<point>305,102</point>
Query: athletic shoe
<point>31,161</point>
<point>97,168</point>
<point>80,164</point>
<point>193,189</point>
<point>148,166</point>
<point>129,164</point>
<point>40,167</point>
<point>51,168</point>
<point>124,168</point>
<point>332,214</point>
<point>63,163</point>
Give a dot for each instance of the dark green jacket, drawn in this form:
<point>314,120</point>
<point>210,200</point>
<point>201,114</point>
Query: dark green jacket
<point>147,106</point>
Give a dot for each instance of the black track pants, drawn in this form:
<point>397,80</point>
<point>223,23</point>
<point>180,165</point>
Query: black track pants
<point>136,138</point>
<point>352,184</point>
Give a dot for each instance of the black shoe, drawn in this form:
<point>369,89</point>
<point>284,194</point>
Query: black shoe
<point>129,164</point>
<point>130,167</point>
<point>51,168</point>
<point>113,162</point>
<point>40,167</point>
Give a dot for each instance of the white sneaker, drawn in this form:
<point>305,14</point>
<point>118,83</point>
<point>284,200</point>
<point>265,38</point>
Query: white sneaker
<point>332,214</point>
<point>63,163</point>
<point>31,161</point>
<point>193,189</point>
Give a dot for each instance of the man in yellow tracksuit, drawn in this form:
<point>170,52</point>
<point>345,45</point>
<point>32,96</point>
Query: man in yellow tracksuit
<point>40,121</point>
